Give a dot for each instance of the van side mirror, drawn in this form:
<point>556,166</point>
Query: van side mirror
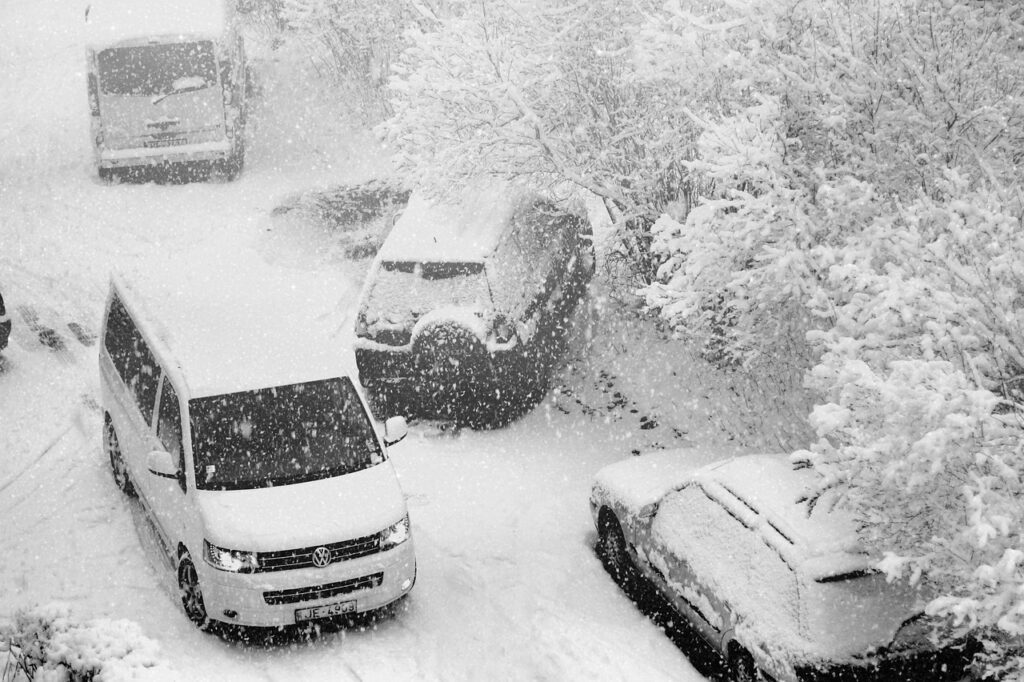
<point>395,429</point>
<point>161,463</point>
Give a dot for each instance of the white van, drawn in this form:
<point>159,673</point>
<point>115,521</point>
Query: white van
<point>239,429</point>
<point>167,84</point>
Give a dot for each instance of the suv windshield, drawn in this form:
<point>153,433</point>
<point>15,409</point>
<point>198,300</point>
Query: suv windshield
<point>279,436</point>
<point>157,69</point>
<point>402,291</point>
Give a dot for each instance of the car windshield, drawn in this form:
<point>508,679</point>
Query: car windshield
<point>858,610</point>
<point>402,291</point>
<point>279,436</point>
<point>157,69</point>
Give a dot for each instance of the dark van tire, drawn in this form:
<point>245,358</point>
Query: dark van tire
<point>118,467</point>
<point>191,593</point>
<point>231,167</point>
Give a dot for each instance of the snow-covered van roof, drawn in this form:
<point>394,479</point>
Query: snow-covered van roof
<point>237,327</point>
<point>109,22</point>
<point>465,229</point>
<point>768,488</point>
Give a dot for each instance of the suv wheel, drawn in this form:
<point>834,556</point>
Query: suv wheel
<point>455,360</point>
<point>117,464</point>
<point>191,593</point>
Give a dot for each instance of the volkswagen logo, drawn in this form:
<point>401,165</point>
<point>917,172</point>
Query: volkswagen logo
<point>321,557</point>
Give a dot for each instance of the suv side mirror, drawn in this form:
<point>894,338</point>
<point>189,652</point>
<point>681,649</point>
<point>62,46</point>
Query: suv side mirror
<point>161,463</point>
<point>395,429</point>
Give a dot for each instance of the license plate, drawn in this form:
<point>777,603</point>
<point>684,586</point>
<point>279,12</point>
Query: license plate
<point>166,142</point>
<point>325,611</point>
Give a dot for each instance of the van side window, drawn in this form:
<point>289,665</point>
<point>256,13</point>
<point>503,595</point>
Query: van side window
<point>131,357</point>
<point>168,424</point>
<point>118,339</point>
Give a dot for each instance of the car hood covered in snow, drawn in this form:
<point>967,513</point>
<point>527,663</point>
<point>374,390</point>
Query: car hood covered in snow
<point>303,514</point>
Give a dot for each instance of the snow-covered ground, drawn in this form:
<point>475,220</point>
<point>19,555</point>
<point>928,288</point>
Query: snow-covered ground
<point>508,586</point>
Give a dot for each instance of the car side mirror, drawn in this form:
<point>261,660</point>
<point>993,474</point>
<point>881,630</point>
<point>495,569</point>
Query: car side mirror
<point>648,511</point>
<point>395,429</point>
<point>161,463</point>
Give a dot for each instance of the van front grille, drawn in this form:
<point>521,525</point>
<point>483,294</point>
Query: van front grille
<point>300,594</point>
<point>288,559</point>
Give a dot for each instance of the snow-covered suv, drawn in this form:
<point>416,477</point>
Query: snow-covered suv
<point>780,593</point>
<point>466,307</point>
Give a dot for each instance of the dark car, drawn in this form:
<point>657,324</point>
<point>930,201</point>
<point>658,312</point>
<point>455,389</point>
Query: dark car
<point>466,307</point>
<point>5,325</point>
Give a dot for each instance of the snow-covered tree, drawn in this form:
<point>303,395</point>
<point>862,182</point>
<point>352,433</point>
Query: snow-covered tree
<point>351,42</point>
<point>864,224</point>
<point>545,93</point>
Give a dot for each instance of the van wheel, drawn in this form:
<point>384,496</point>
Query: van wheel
<point>742,667</point>
<point>231,167</point>
<point>191,593</point>
<point>611,549</point>
<point>117,464</point>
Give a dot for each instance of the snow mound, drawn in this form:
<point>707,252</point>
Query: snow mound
<point>50,641</point>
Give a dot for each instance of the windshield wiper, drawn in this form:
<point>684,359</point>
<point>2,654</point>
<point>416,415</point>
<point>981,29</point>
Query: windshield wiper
<point>177,91</point>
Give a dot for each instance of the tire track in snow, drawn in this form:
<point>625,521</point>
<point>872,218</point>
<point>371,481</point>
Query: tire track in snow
<point>38,458</point>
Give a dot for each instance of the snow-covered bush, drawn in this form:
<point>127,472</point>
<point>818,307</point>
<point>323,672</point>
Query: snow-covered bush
<point>865,225</point>
<point>921,430</point>
<point>350,42</point>
<point>47,644</point>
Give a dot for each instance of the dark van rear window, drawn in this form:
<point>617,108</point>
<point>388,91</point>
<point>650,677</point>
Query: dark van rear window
<point>153,69</point>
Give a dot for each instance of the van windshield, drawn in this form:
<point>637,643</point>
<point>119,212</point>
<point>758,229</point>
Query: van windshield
<point>157,69</point>
<point>280,436</point>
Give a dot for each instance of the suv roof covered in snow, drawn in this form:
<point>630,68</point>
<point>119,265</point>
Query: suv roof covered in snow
<point>432,230</point>
<point>109,22</point>
<point>250,328</point>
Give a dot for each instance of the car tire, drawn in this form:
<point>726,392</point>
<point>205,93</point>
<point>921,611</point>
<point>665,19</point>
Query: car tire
<point>742,667</point>
<point>611,549</point>
<point>118,467</point>
<point>191,593</point>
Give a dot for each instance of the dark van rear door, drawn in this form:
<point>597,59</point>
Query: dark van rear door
<point>160,95</point>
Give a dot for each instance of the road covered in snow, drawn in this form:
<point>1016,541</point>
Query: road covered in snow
<point>508,584</point>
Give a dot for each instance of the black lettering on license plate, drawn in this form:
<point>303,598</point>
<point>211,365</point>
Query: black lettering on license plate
<point>325,611</point>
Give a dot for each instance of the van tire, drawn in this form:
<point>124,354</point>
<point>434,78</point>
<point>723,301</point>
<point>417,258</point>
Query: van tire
<point>191,593</point>
<point>231,167</point>
<point>117,464</point>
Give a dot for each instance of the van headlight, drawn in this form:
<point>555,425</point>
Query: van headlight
<point>395,535</point>
<point>230,559</point>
